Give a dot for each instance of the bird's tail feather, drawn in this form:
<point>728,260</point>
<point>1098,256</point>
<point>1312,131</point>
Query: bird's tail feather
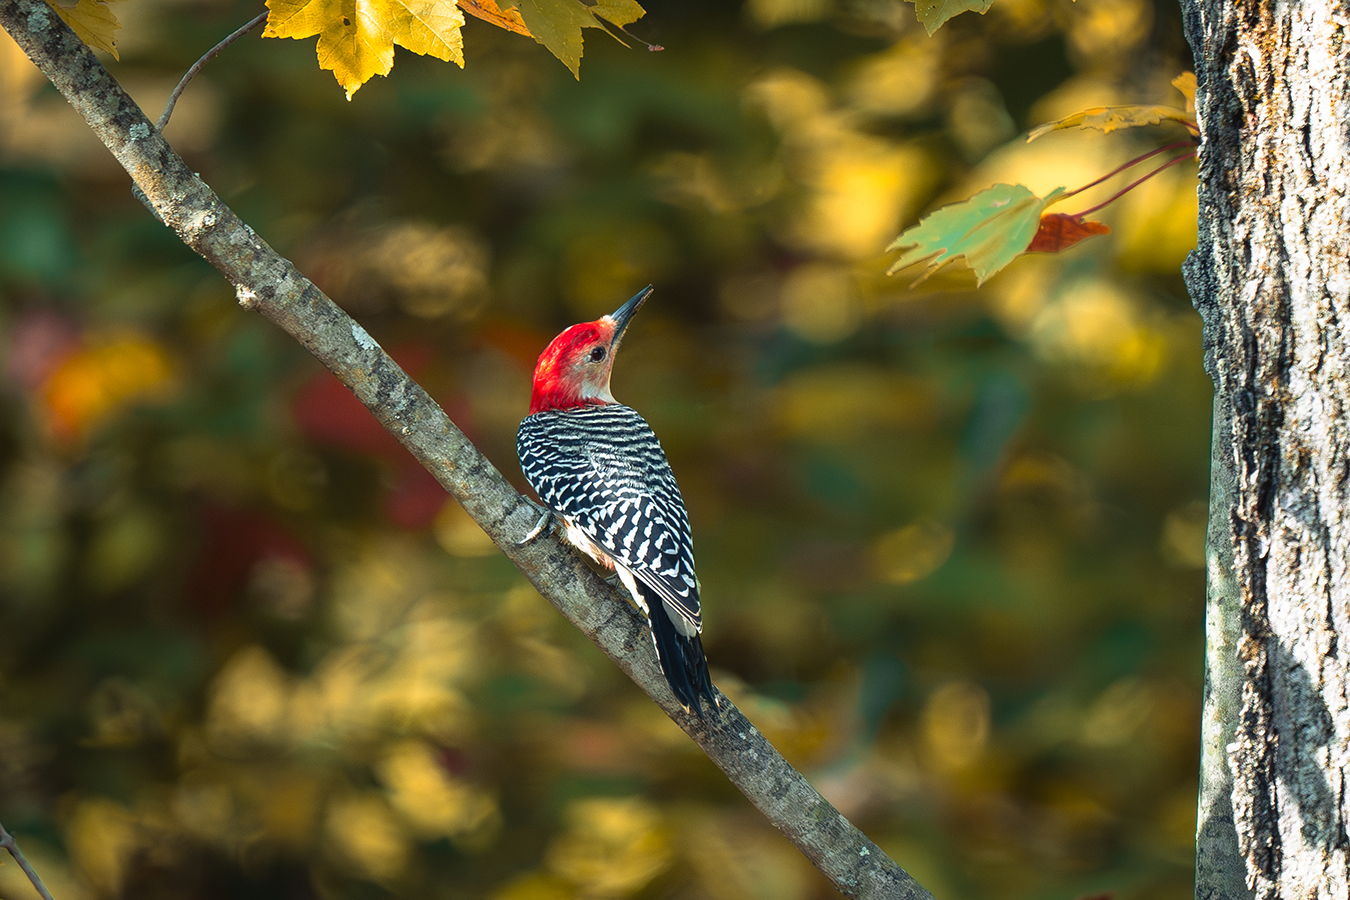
<point>682,660</point>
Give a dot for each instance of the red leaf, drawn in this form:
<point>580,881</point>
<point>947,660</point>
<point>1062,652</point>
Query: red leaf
<point>414,498</point>
<point>233,542</point>
<point>1060,231</point>
<point>328,413</point>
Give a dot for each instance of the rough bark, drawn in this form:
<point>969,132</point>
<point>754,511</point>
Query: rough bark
<point>271,285</point>
<point>1271,278</point>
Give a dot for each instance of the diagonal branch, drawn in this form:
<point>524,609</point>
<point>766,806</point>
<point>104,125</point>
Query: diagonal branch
<point>271,285</point>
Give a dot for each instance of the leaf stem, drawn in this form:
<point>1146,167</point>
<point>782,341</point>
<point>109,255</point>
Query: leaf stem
<point>7,841</point>
<point>197,66</point>
<point>652,47</point>
<point>610,27</point>
<point>1190,154</point>
<point>1121,168</point>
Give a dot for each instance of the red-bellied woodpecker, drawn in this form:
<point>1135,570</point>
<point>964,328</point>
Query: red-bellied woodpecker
<point>598,467</point>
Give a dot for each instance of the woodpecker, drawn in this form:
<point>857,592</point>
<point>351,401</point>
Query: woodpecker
<point>598,467</point>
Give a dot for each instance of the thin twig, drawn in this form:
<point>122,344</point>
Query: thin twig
<point>1122,167</point>
<point>7,841</point>
<point>1134,184</point>
<point>206,58</point>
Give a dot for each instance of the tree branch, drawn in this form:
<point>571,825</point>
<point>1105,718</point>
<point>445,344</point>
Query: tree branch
<point>271,285</point>
<point>7,841</point>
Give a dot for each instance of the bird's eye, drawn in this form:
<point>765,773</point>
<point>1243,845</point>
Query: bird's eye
<point>597,354</point>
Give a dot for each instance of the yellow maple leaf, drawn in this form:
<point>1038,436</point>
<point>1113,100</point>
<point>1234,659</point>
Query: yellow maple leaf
<point>429,28</point>
<point>1185,82</point>
<point>357,37</point>
<point>92,21</point>
<point>1112,118</point>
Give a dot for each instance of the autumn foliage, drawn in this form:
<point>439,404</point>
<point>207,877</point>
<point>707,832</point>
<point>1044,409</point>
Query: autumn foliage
<point>951,539</point>
<point>997,225</point>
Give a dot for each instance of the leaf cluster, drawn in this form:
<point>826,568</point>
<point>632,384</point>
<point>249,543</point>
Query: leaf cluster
<point>356,40</point>
<point>358,43</point>
<point>1000,223</point>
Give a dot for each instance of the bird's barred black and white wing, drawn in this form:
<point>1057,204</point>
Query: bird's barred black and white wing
<point>602,469</point>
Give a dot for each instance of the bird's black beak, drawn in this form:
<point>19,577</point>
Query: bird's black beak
<point>623,314</point>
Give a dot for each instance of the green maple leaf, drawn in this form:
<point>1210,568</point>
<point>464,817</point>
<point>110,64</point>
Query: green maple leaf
<point>990,230</point>
<point>932,13</point>
<point>557,24</point>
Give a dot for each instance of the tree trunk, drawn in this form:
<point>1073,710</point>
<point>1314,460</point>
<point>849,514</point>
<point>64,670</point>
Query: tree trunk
<point>1271,278</point>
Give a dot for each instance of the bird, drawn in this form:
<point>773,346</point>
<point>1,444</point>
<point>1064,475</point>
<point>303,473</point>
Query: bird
<point>598,467</point>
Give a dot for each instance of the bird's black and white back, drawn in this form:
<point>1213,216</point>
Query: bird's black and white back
<point>601,469</point>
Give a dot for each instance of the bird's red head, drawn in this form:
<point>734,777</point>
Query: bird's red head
<point>574,369</point>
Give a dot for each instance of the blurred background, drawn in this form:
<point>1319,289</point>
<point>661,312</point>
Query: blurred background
<point>950,540</point>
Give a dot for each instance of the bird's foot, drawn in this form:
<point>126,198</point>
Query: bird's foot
<point>545,519</point>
